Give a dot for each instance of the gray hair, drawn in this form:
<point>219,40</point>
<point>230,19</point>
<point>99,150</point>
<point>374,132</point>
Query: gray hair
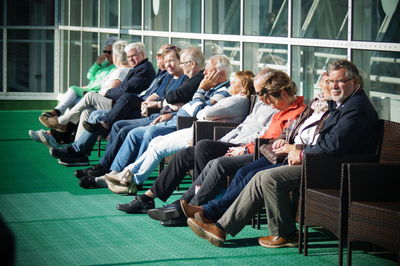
<point>118,50</point>
<point>222,63</point>
<point>110,41</point>
<point>193,54</point>
<point>264,74</point>
<point>138,46</point>
<point>352,71</point>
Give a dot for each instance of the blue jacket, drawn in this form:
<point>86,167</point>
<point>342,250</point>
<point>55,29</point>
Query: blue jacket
<point>352,128</point>
<point>137,80</point>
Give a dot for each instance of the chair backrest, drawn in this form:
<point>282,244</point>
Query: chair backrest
<point>389,152</point>
<point>253,100</point>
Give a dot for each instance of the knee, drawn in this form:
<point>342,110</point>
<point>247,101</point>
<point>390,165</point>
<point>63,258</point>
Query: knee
<point>203,144</point>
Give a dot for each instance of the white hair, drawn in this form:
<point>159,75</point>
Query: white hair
<point>138,46</point>
<point>118,50</point>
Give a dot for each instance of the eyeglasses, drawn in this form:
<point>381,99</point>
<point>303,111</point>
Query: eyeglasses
<point>340,82</point>
<point>262,92</point>
<point>158,55</point>
<point>184,63</point>
<point>107,52</point>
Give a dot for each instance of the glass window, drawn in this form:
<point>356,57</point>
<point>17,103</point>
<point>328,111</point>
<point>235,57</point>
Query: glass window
<point>320,19</point>
<point>75,13</point>
<point>109,14</point>
<point>222,16</point>
<point>230,49</point>
<point>75,59</point>
<point>376,20</point>
<point>186,16</point>
<point>156,15</point>
<point>308,63</point>
<point>381,73</point>
<point>152,44</point>
<point>90,51</point>
<point>63,11</point>
<point>90,13</point>
<point>266,18</point>
<point>30,60</point>
<point>32,13</point>
<point>131,38</point>
<point>1,13</point>
<point>260,55</point>
<point>63,77</point>
<point>104,37</point>
<point>1,56</point>
<point>183,43</point>
<point>131,14</point>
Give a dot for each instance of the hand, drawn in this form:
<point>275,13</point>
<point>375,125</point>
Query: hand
<point>235,151</point>
<point>285,149</point>
<point>100,59</point>
<point>210,80</point>
<point>278,143</point>
<point>162,118</point>
<point>294,157</point>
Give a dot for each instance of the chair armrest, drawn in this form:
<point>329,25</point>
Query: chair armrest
<point>373,182</point>
<point>220,131</point>
<point>205,129</point>
<point>258,142</point>
<point>185,122</point>
<point>324,171</point>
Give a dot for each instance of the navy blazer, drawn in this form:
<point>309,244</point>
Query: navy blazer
<point>352,128</point>
<point>137,80</point>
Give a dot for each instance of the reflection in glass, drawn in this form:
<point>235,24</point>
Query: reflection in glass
<point>90,50</point>
<point>152,44</point>
<point>109,14</point>
<point>1,56</point>
<point>63,11</point>
<point>105,36</point>
<point>90,13</point>
<point>186,16</point>
<point>222,16</point>
<point>63,76</point>
<point>183,43</point>
<point>260,55</point>
<point>131,14</point>
<point>30,60</point>
<point>32,13</point>
<point>320,19</point>
<point>308,63</point>
<point>376,20</point>
<point>156,15</point>
<point>75,13</point>
<point>266,18</point>
<point>75,58</point>
<point>381,73</point>
<point>131,38</point>
<point>230,49</point>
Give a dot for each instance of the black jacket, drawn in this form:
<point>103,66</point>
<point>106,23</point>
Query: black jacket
<point>185,92</point>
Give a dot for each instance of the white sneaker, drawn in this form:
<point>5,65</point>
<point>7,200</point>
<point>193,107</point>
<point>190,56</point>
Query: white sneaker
<point>123,178</point>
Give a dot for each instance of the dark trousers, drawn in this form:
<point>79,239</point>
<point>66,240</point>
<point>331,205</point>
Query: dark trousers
<point>195,158</point>
<point>126,107</point>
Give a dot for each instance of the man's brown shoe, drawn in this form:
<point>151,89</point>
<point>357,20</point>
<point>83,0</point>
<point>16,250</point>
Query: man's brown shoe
<point>189,210</point>
<point>199,216</point>
<point>209,232</point>
<point>52,122</point>
<point>291,240</point>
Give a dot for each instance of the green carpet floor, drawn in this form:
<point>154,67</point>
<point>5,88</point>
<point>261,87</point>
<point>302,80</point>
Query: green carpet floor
<point>55,222</point>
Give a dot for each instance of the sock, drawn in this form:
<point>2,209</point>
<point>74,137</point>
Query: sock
<point>145,198</point>
<point>220,226</point>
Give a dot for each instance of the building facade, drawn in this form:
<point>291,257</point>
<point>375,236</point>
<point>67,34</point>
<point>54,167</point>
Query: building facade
<point>48,45</point>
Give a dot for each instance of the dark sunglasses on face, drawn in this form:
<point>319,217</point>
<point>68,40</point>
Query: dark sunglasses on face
<point>107,52</point>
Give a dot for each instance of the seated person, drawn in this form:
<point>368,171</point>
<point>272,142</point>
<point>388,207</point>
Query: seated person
<point>103,66</point>
<point>351,128</point>
<point>231,109</point>
<point>305,132</point>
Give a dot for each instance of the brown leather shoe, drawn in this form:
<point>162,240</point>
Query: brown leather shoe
<point>291,240</point>
<point>200,216</point>
<point>189,210</point>
<point>52,122</point>
<point>209,232</point>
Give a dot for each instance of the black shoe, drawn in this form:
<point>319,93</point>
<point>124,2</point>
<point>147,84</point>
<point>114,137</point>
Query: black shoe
<point>166,212</point>
<point>88,182</point>
<point>69,157</point>
<point>95,170</point>
<point>96,128</point>
<point>136,206</point>
<point>180,221</point>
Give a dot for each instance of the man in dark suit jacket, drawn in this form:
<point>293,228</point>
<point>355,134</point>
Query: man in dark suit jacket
<point>351,128</point>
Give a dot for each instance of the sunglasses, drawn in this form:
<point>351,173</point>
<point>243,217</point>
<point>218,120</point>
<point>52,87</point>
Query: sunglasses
<point>107,52</point>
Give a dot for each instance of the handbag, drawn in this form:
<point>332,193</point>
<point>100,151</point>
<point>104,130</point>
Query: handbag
<point>274,158</point>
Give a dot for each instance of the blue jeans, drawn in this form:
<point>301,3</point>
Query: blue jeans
<point>137,141</point>
<point>87,140</point>
<point>215,208</point>
<point>117,136</point>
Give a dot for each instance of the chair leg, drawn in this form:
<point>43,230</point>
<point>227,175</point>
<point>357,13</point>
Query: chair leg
<point>258,220</point>
<point>305,240</point>
<point>300,236</point>
<point>99,147</point>
<point>340,257</point>
<point>349,253</point>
